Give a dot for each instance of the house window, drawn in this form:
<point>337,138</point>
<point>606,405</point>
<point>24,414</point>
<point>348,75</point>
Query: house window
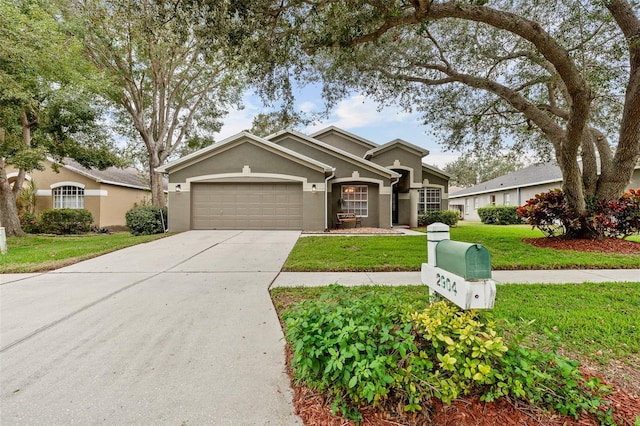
<point>467,206</point>
<point>429,200</point>
<point>475,203</point>
<point>68,197</point>
<point>356,199</point>
<point>507,199</point>
<point>492,200</point>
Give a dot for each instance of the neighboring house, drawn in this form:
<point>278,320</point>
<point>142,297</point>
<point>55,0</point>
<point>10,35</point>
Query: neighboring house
<point>289,180</point>
<point>108,194</point>
<point>513,189</point>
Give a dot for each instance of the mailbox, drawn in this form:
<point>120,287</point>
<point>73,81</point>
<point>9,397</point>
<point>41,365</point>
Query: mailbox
<point>470,261</point>
<point>459,271</point>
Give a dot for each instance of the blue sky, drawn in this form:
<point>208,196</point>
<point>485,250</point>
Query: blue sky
<point>356,114</point>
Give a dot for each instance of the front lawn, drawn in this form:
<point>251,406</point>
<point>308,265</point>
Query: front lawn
<point>407,253</point>
<point>36,253</point>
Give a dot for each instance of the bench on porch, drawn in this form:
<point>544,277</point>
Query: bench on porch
<point>346,217</point>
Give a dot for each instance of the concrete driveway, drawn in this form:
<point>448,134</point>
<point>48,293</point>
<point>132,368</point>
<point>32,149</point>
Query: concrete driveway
<point>179,331</point>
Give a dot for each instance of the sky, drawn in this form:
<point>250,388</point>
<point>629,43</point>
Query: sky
<point>355,114</point>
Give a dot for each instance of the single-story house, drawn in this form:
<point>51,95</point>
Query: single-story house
<point>108,194</point>
<point>290,180</point>
<point>513,189</point>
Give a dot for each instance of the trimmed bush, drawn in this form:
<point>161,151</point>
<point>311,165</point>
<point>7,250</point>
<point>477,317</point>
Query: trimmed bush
<point>65,221</point>
<point>448,217</point>
<point>146,220</point>
<point>499,215</point>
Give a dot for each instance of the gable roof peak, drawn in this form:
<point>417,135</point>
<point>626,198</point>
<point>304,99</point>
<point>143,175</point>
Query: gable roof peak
<point>397,142</point>
<point>354,137</point>
<point>329,147</point>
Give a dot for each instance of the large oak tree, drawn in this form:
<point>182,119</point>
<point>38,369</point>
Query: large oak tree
<point>564,75</point>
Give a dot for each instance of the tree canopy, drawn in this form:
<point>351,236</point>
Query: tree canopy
<point>46,105</point>
<point>559,77</point>
<point>169,82</point>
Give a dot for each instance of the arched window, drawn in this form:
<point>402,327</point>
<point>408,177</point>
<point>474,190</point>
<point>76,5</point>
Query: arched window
<point>68,197</point>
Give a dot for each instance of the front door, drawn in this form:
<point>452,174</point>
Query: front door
<point>394,207</point>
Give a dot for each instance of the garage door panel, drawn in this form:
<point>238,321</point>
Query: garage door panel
<point>246,206</point>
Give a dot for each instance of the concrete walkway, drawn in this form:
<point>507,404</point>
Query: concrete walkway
<point>180,331</point>
<point>314,279</point>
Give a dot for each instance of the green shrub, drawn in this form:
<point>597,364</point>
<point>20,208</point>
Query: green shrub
<point>350,348</point>
<point>65,221</point>
<point>499,215</point>
<point>146,220</point>
<point>29,222</point>
<point>363,351</point>
<point>448,217</point>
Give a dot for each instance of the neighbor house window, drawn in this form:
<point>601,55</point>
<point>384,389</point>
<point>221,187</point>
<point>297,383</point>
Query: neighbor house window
<point>507,199</point>
<point>429,200</point>
<point>68,197</point>
<point>355,199</point>
<point>475,203</point>
<point>467,206</point>
<point>492,200</point>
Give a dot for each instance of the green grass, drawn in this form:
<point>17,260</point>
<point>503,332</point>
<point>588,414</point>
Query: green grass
<point>36,253</point>
<point>597,321</point>
<point>407,253</point>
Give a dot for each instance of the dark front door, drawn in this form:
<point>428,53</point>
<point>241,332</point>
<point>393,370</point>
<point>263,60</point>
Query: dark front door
<point>394,207</point>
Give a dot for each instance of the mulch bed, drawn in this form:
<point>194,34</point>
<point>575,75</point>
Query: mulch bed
<point>315,410</point>
<point>605,245</point>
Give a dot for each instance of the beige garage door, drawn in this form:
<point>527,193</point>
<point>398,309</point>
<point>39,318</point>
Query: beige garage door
<point>246,206</point>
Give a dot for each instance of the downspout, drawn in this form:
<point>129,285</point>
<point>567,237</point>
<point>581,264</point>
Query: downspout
<point>391,203</point>
<point>326,201</point>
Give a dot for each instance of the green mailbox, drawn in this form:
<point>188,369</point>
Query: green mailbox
<point>470,261</point>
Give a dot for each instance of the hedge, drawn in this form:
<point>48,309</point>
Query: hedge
<point>499,215</point>
<point>65,221</point>
<point>448,217</point>
<point>146,220</point>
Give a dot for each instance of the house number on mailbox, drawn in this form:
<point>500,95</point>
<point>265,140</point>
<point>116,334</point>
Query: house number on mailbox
<point>446,283</point>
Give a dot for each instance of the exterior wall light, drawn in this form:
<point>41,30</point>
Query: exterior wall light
<point>313,188</point>
<point>178,188</point>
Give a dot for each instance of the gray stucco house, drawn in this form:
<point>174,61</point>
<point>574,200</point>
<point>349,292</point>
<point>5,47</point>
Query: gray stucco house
<point>513,189</point>
<point>289,180</point>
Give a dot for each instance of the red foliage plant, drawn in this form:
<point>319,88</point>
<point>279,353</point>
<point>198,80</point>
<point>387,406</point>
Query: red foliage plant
<point>548,211</point>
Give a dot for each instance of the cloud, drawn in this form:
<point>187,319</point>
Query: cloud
<point>308,106</point>
<point>238,120</point>
<point>439,159</point>
<point>359,111</point>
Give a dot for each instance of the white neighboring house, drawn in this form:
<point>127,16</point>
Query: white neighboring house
<point>513,189</point>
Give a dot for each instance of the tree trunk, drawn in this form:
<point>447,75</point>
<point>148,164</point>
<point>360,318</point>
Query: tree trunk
<point>8,209</point>
<point>156,183</point>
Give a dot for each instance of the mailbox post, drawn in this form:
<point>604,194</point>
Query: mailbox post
<point>460,272</point>
<point>3,241</point>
